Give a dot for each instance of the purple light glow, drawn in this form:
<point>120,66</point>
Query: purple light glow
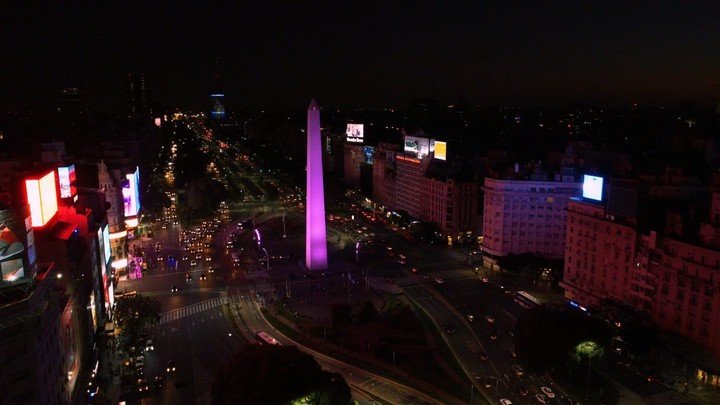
<point>315,231</point>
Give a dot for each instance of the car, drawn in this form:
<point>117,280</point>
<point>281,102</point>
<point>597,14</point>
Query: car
<point>160,258</point>
<point>211,270</point>
<point>170,366</point>
<point>193,263</point>
<point>208,258</point>
<point>488,382</point>
<point>522,391</point>
<point>482,355</point>
<point>542,399</point>
<point>402,262</point>
<point>548,392</point>
<point>470,317</point>
<point>185,258</point>
<point>511,352</point>
<point>493,336</point>
<point>149,346</point>
<point>158,383</point>
<point>505,401</point>
<point>188,278</point>
<point>414,269</point>
<point>484,279</point>
<point>449,329</point>
<point>174,289</point>
<point>439,280</point>
<point>203,277</point>
<point>518,370</point>
<point>489,318</point>
<point>171,258</point>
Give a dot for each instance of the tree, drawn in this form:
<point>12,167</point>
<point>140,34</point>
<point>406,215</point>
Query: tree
<point>273,374</point>
<point>545,337</point>
<point>135,313</point>
<point>341,315</point>
<point>367,313</point>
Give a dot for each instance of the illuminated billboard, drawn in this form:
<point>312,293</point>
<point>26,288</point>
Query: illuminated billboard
<point>106,243</point>
<point>418,146</point>
<point>12,269</point>
<point>218,109</point>
<point>66,179</point>
<point>101,252</point>
<point>368,152</point>
<point>355,133</point>
<point>440,150</point>
<point>592,187</point>
<point>42,198</point>
<point>131,194</point>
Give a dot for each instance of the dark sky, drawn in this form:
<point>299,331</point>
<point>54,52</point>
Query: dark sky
<point>280,54</point>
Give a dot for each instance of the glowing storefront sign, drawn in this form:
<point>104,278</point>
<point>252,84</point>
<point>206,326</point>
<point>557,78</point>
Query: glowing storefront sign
<point>42,198</point>
<point>118,235</point>
<point>131,222</point>
<point>119,264</point>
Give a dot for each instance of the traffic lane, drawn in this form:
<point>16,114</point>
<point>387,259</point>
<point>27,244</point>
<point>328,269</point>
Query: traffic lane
<point>497,365</point>
<point>504,322</point>
<point>213,339</point>
<point>257,323</point>
<point>172,345</point>
<point>164,281</point>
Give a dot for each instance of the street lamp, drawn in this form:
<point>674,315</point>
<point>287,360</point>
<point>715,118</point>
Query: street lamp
<point>267,259</point>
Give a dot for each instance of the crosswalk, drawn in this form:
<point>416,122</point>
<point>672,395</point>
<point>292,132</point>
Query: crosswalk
<point>195,308</point>
<point>667,397</point>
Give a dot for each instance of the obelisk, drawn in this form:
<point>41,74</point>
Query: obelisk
<point>315,231</point>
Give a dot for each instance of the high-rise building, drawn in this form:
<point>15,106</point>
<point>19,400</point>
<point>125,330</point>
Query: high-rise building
<point>599,254</point>
<point>315,230</point>
<point>384,174</point>
<point>523,216</point>
<point>136,99</point>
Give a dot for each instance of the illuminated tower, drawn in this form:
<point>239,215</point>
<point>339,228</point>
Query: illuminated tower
<point>315,231</point>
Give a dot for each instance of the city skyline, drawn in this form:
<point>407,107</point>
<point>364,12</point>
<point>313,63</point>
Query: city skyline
<point>370,55</point>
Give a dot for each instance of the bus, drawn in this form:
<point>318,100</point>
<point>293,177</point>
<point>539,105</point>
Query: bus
<point>265,339</point>
<point>526,300</point>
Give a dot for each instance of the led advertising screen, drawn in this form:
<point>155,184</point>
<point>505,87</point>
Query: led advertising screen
<point>417,146</point>
<point>592,187</point>
<point>131,194</point>
<point>440,150</point>
<point>106,242</point>
<point>218,109</point>
<point>368,152</point>
<point>12,269</point>
<point>42,198</point>
<point>355,133</point>
<point>66,178</point>
<point>101,252</point>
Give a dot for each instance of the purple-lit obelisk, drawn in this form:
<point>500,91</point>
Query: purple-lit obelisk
<point>315,231</point>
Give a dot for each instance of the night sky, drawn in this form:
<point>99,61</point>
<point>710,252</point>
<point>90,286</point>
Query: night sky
<point>365,53</point>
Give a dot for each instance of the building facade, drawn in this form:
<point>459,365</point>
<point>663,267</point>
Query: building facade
<point>599,254</point>
<point>526,216</point>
